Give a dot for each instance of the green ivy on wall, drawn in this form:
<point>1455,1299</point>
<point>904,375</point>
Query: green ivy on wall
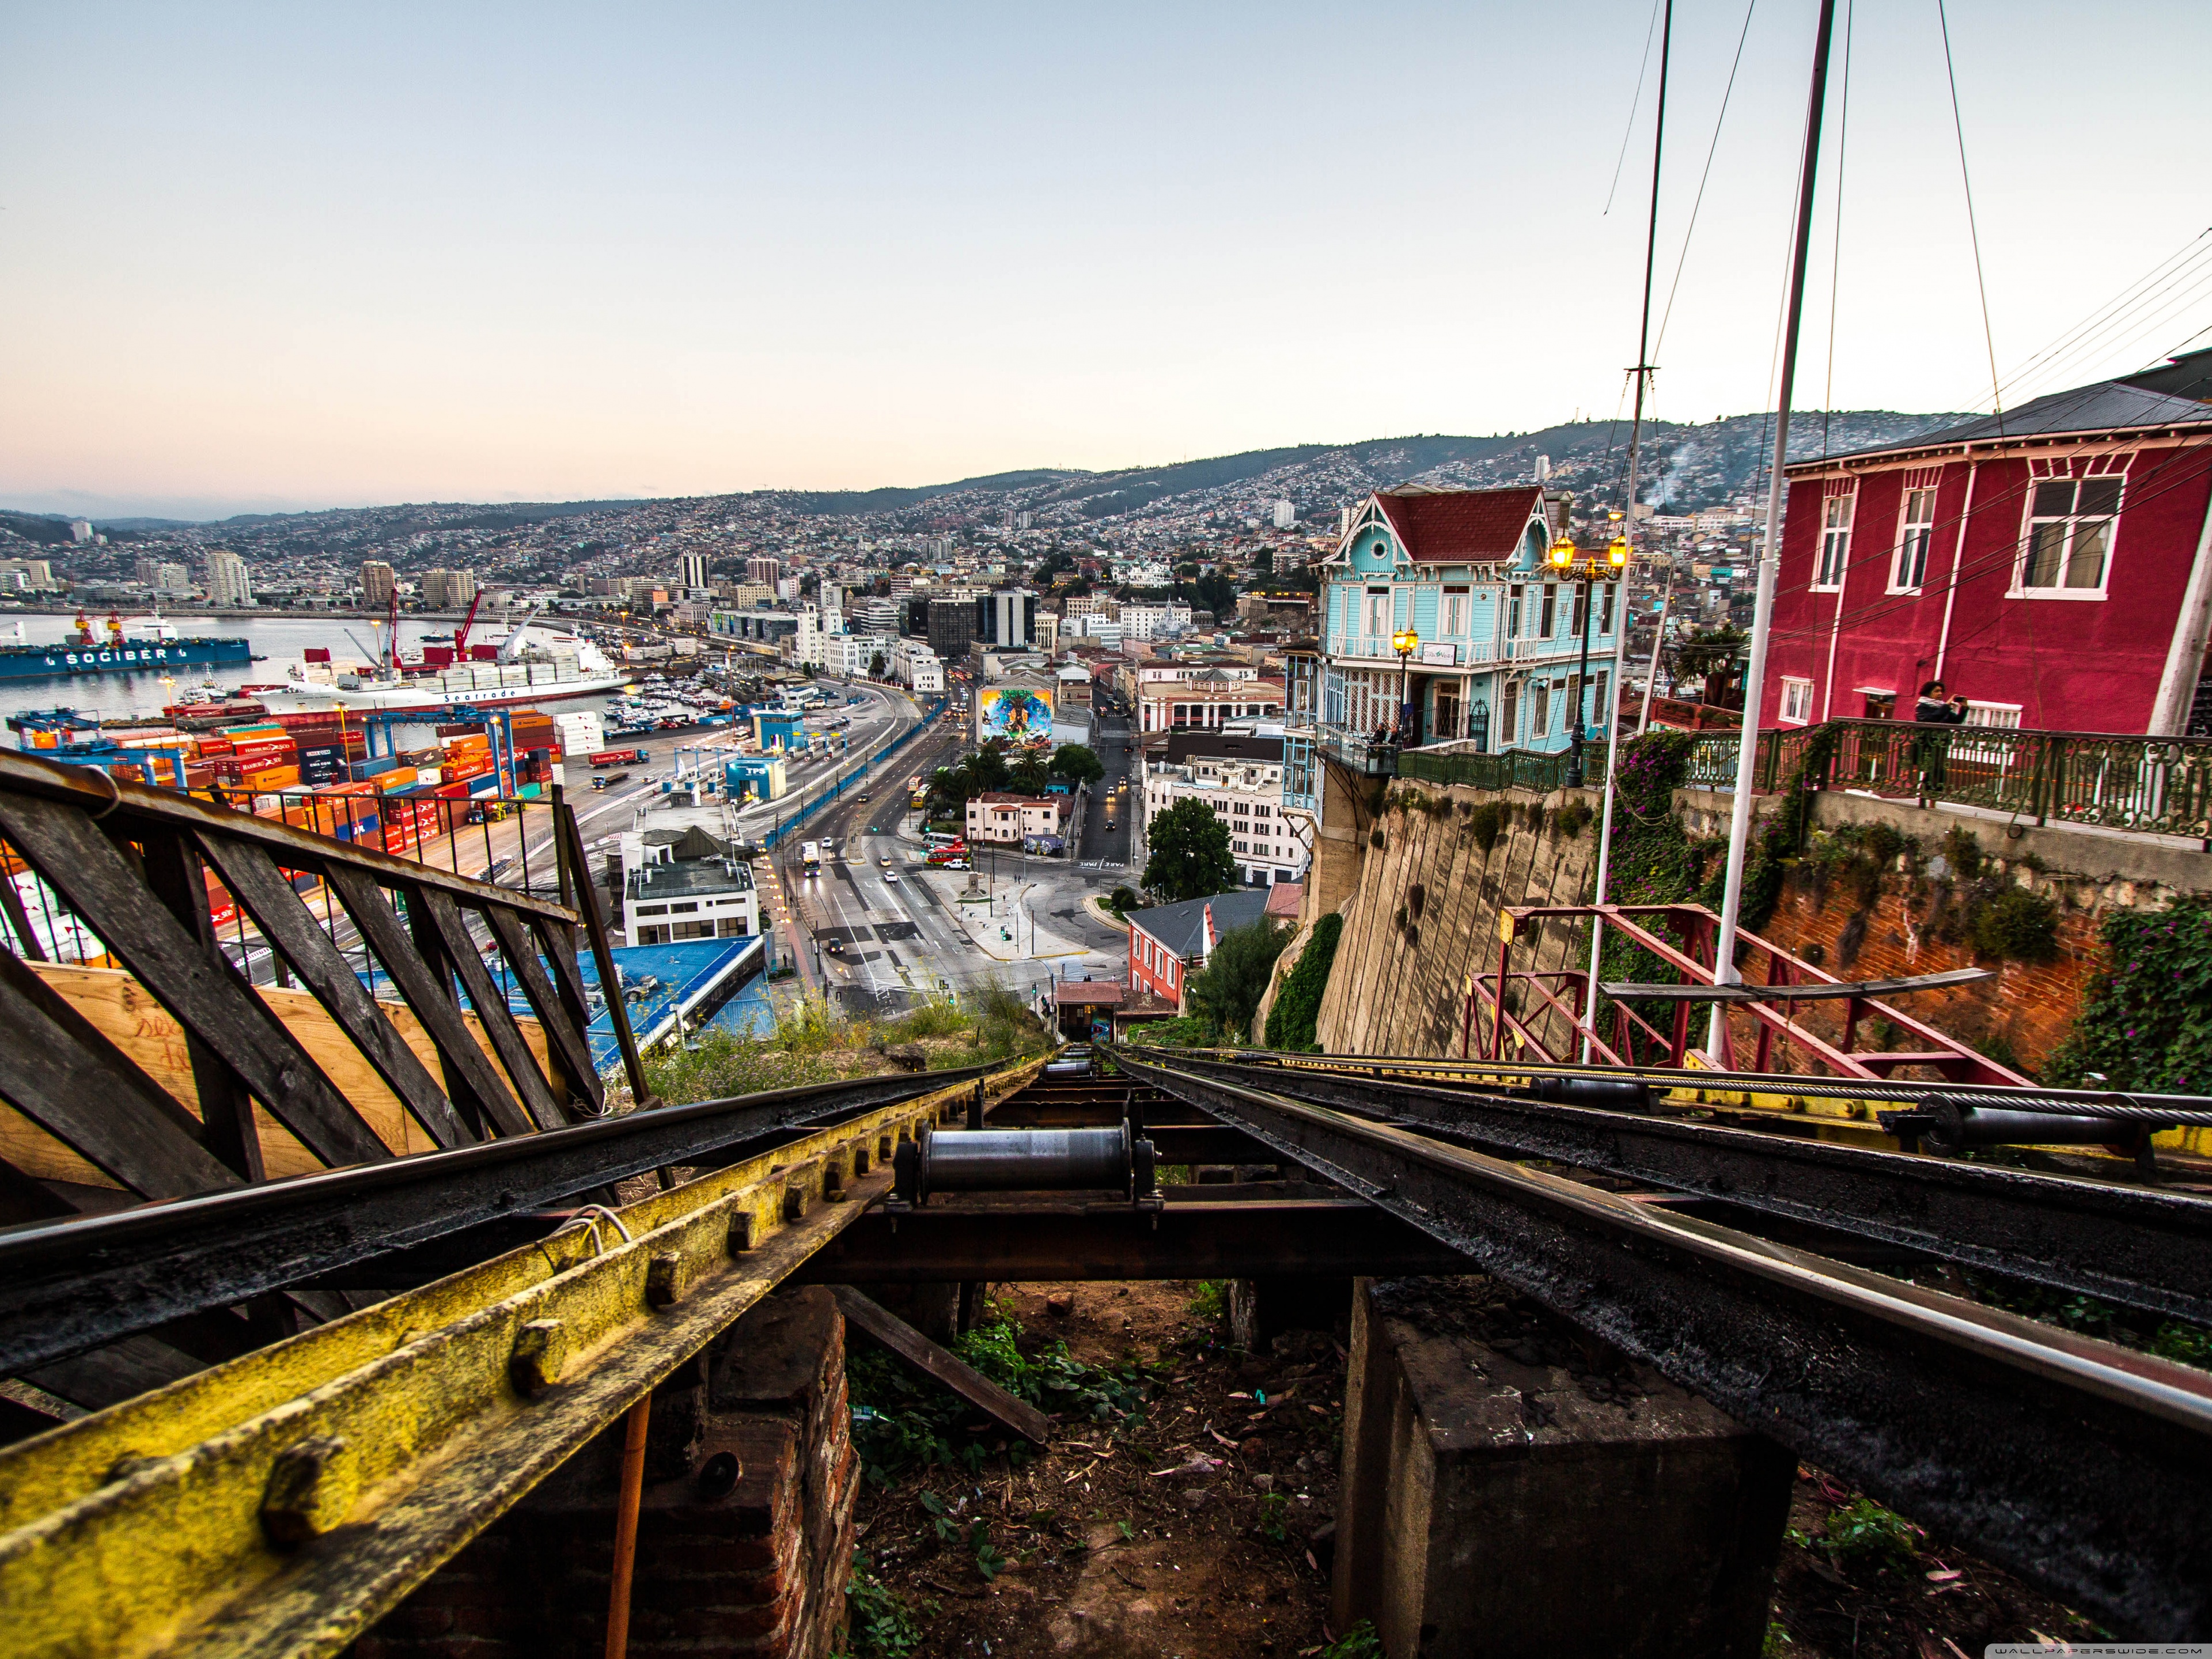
<point>1297,1004</point>
<point>2147,1022</point>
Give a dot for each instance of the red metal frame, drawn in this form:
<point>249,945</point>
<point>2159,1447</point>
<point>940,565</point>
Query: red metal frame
<point>1566,991</point>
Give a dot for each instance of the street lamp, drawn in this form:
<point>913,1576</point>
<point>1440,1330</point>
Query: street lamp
<point>1592,570</point>
<point>1405,642</point>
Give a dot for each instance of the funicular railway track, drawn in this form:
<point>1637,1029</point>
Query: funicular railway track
<point>483,1317</point>
<point>2079,1464</point>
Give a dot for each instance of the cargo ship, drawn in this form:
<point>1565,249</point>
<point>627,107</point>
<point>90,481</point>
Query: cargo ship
<point>530,666</point>
<point>85,653</point>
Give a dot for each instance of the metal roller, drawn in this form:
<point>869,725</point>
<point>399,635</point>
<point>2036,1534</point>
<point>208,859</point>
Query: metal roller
<point>1024,1160</point>
<point>1604,1093</point>
<point>1957,1127</point>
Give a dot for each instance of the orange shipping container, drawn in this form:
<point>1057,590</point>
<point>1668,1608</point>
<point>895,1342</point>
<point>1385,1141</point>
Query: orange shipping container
<point>399,777</point>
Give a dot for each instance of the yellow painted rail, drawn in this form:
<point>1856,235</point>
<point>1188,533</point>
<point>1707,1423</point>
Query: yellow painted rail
<point>282,1501</point>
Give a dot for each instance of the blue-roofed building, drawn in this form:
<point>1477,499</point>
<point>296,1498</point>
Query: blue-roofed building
<point>1497,661</point>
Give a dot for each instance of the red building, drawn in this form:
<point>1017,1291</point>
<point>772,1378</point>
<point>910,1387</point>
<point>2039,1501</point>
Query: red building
<point>2052,566</point>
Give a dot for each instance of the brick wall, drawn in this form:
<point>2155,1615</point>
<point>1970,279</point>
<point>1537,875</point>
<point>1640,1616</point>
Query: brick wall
<point>745,1531</point>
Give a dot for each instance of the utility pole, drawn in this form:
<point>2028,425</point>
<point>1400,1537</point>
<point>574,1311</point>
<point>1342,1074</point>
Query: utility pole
<point>1770,553</point>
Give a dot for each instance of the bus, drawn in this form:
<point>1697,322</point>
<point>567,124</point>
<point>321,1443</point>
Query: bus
<point>933,838</point>
<point>810,857</point>
<point>917,796</point>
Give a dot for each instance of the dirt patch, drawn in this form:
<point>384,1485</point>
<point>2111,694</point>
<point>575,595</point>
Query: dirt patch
<point>1188,1528</point>
<point>1934,1603</point>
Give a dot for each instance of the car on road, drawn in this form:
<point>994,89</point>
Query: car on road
<point>863,795</point>
<point>891,875</point>
<point>835,947</point>
<point>885,861</point>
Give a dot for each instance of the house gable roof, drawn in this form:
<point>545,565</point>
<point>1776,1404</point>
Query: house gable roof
<point>1180,929</point>
<point>2086,411</point>
<point>1460,526</point>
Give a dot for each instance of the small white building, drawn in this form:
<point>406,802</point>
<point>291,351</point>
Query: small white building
<point>1240,778</point>
<point>915,666</point>
<point>1009,820</point>
<point>681,884</point>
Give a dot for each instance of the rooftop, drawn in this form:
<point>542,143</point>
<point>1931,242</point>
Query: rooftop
<point>1180,928</point>
<point>1450,525</point>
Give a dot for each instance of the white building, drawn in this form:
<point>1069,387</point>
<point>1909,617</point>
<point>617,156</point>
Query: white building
<point>1010,820</point>
<point>80,529</point>
<point>227,580</point>
<point>803,643</point>
<point>1155,621</point>
<point>1286,516</point>
<point>915,666</point>
<point>172,579</point>
<point>694,576</point>
<point>1240,779</point>
<point>879,617</point>
<point>848,653</point>
<point>681,884</point>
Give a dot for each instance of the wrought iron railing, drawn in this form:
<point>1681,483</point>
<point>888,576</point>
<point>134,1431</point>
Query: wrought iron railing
<point>1516,769</point>
<point>2161,786</point>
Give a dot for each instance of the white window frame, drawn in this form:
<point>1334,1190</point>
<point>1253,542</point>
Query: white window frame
<point>1998,716</point>
<point>1456,611</point>
<point>1832,556</point>
<point>1915,539</point>
<point>1539,709</point>
<point>1796,707</point>
<point>2030,519</point>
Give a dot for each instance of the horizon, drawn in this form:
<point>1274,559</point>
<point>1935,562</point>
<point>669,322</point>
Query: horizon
<point>301,261</point>
<point>12,505</point>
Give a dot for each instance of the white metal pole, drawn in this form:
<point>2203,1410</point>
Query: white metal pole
<point>1641,371</point>
<point>1770,553</point>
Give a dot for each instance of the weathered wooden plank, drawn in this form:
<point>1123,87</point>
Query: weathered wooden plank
<point>602,960</point>
<point>139,806</point>
<point>955,1374</point>
<point>288,924</point>
<point>146,1032</point>
<point>64,845</point>
<point>570,1050</point>
<point>467,1065</point>
<point>60,1071</point>
<point>489,1003</point>
<point>19,920</point>
<point>230,1128</point>
<point>559,943</point>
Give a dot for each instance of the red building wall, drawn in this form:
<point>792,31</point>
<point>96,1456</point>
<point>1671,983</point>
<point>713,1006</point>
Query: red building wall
<point>2085,665</point>
<point>1166,982</point>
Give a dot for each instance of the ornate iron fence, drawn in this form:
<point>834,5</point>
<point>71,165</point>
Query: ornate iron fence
<point>2161,786</point>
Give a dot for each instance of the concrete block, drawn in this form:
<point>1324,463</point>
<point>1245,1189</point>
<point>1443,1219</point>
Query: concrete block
<point>1515,1490</point>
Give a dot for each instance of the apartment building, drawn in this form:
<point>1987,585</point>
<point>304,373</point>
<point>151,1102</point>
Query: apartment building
<point>1240,779</point>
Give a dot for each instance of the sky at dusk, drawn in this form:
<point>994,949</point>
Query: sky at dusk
<point>264,257</point>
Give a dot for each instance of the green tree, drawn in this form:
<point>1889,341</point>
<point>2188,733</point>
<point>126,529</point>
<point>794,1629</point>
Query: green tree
<point>1027,776</point>
<point>1226,992</point>
<point>1191,853</point>
<point>876,665</point>
<point>987,769</point>
<point>1263,562</point>
<point>1076,764</point>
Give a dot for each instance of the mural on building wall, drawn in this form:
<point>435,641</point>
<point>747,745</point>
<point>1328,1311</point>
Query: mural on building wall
<point>1015,713</point>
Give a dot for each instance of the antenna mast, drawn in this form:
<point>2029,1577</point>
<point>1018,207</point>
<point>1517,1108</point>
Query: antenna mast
<point>1770,553</point>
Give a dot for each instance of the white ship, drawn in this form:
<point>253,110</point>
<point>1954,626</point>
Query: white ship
<point>535,665</point>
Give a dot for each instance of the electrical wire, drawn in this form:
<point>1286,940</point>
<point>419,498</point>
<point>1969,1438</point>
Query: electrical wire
<point>1659,343</point>
<point>1973,230</point>
<point>1634,104</point>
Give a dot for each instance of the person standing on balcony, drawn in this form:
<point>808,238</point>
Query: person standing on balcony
<point>1936,707</point>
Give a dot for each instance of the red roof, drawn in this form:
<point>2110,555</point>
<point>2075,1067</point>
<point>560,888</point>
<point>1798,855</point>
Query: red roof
<point>1087,994</point>
<point>1284,899</point>
<point>1453,525</point>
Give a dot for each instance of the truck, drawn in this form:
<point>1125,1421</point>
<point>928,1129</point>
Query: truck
<point>619,757</point>
<point>607,779</point>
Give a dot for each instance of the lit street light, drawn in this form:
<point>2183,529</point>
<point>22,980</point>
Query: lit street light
<point>1405,642</point>
<point>1591,571</point>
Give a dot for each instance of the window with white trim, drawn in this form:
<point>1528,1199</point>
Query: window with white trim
<point>1835,541</point>
<point>2069,545</point>
<point>2004,716</point>
<point>1455,611</point>
<point>1540,709</point>
<point>1796,700</point>
<point>1916,529</point>
<point>1378,611</point>
<point>1547,616</point>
